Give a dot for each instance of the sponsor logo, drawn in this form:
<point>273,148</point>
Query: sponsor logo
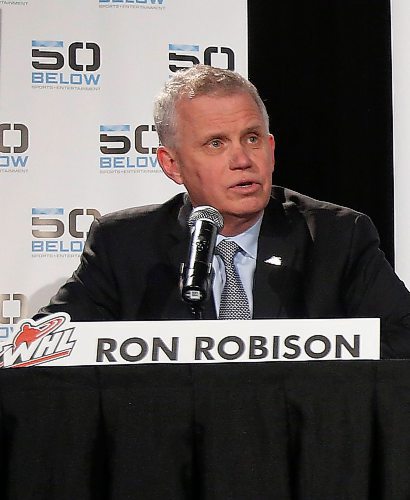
<point>14,143</point>
<point>13,307</point>
<point>132,4</point>
<point>128,149</point>
<point>38,342</point>
<point>65,66</point>
<point>58,232</point>
<point>182,56</point>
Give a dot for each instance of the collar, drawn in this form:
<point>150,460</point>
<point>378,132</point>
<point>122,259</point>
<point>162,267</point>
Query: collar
<point>248,240</point>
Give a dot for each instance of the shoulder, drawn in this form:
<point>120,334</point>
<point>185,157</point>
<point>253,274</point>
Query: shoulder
<point>136,226</point>
<point>310,208</point>
<point>145,215</point>
<point>292,200</point>
<point>321,216</point>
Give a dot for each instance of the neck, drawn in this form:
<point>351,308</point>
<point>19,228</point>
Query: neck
<point>234,225</point>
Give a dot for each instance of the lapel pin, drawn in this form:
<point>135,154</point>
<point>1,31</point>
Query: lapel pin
<point>274,260</point>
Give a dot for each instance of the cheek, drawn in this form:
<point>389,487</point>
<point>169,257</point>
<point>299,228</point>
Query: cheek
<point>270,164</point>
<point>195,181</point>
<point>203,174</point>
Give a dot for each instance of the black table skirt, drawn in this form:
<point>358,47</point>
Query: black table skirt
<point>281,430</point>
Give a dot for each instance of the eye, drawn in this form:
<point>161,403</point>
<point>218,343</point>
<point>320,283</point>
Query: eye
<point>215,143</point>
<point>253,139</point>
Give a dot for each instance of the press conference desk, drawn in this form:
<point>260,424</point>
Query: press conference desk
<point>284,430</point>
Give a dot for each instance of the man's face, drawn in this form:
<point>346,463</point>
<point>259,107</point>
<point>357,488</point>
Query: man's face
<point>224,157</point>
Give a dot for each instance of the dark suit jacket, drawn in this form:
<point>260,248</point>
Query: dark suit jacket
<point>327,264</point>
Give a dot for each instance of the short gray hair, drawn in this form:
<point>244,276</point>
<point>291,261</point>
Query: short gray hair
<point>198,80</point>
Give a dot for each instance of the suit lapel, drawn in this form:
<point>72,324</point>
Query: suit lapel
<point>177,245</point>
<point>278,281</point>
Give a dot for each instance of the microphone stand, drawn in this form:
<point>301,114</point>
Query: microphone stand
<point>194,298</point>
<point>197,311</point>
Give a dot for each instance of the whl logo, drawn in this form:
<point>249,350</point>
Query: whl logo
<point>38,342</point>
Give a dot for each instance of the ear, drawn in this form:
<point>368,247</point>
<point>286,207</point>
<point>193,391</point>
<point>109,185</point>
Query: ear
<point>272,146</point>
<point>169,164</point>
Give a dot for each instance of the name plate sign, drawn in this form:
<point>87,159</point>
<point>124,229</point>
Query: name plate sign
<point>56,341</point>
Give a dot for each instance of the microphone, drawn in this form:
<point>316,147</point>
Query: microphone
<point>195,277</point>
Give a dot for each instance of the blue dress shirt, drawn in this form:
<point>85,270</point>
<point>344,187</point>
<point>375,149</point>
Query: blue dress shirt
<point>244,260</point>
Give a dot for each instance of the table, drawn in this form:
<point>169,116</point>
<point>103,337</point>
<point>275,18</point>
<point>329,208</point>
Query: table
<point>254,431</point>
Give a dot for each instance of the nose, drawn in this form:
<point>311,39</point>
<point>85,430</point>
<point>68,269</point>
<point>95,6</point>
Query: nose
<point>240,159</point>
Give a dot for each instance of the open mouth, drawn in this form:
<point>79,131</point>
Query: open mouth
<point>245,184</point>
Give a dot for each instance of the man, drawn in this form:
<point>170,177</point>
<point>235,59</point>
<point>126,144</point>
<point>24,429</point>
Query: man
<point>297,257</point>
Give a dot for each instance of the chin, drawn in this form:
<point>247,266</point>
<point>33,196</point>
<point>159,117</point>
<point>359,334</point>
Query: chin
<point>252,209</point>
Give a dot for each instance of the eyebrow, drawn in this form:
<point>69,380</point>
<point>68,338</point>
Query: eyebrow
<point>256,128</point>
<point>260,129</point>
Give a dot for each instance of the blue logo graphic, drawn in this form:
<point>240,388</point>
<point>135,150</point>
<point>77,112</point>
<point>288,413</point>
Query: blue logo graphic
<point>128,149</point>
<point>60,233</point>
<point>183,56</point>
<point>13,307</point>
<point>14,142</point>
<point>58,67</point>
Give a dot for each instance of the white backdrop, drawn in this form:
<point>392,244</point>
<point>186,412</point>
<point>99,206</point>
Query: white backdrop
<point>77,81</point>
<point>401,117</point>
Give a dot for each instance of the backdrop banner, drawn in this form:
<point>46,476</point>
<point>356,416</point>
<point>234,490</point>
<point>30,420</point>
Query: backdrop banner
<point>401,120</point>
<point>77,138</point>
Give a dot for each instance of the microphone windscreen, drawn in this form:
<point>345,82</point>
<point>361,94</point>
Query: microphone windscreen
<point>206,212</point>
